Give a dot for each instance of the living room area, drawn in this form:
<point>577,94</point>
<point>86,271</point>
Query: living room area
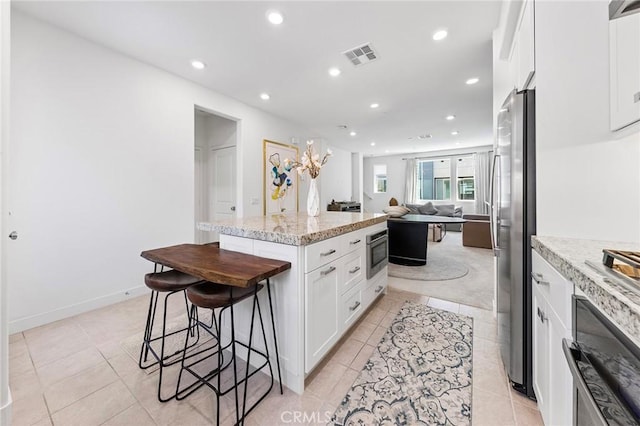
<point>440,242</point>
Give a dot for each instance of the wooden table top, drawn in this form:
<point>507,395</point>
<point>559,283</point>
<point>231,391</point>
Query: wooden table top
<point>213,264</point>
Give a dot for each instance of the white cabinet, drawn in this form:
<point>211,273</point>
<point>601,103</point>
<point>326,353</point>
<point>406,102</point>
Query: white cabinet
<point>336,290</point>
<point>322,322</point>
<point>624,75</point>
<point>552,381</point>
<point>524,49</point>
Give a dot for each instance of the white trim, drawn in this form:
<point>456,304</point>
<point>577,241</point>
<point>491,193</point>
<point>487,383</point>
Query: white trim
<point>5,412</point>
<point>26,323</point>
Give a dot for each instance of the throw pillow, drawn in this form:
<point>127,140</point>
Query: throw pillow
<point>413,208</point>
<point>428,208</point>
<point>396,211</point>
<point>445,210</point>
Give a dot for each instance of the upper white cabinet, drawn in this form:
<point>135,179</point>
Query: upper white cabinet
<point>624,51</point>
<point>524,49</point>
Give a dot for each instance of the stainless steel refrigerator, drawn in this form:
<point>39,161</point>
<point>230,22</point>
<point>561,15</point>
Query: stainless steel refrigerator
<point>513,220</point>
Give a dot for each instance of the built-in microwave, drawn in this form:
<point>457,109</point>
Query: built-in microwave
<point>377,252</point>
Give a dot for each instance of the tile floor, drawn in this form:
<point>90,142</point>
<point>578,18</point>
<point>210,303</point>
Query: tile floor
<point>75,372</point>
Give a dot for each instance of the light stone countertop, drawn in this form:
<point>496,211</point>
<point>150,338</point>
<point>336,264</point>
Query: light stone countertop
<point>568,256</point>
<point>297,229</point>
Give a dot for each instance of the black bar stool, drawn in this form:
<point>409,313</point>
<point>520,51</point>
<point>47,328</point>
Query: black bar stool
<point>213,296</point>
<point>169,283</point>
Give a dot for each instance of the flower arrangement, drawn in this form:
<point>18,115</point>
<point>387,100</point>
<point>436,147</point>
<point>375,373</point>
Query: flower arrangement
<point>310,161</point>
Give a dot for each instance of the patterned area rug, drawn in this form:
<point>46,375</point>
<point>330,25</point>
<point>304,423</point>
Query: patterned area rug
<point>420,373</point>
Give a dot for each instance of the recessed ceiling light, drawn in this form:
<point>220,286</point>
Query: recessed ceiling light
<point>440,35</point>
<point>454,133</point>
<point>199,65</point>
<point>457,143</point>
<point>373,144</point>
<point>473,80</point>
<point>386,151</point>
<point>275,17</point>
<point>334,72</point>
<point>265,96</point>
<point>374,105</point>
<point>352,133</point>
<point>450,117</point>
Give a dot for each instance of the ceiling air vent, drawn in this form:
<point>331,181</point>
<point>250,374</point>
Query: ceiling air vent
<point>361,55</point>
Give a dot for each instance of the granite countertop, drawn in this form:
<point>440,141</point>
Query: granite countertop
<point>568,256</point>
<point>297,229</point>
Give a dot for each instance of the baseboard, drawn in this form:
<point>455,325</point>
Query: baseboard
<point>5,412</point>
<point>26,323</point>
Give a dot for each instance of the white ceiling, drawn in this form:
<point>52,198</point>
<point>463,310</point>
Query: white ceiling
<point>416,81</point>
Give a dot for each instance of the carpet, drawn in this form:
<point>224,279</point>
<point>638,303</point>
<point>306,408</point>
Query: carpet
<point>475,288</point>
<point>419,374</point>
<point>438,268</point>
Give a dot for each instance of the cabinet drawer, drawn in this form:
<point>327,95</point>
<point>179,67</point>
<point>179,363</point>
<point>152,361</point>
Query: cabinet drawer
<point>374,288</point>
<point>351,307</point>
<point>322,252</point>
<point>352,269</point>
<point>556,289</point>
<point>353,241</point>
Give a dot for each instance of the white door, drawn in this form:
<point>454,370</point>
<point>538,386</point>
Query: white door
<point>222,184</point>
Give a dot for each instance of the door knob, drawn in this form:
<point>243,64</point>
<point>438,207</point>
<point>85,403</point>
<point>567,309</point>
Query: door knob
<point>13,235</point>
<point>233,208</point>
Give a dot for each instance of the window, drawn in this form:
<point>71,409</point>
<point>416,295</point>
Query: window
<point>379,178</point>
<point>434,180</point>
<point>465,172</point>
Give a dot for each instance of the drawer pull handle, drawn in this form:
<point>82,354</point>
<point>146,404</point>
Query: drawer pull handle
<point>354,242</point>
<point>328,271</point>
<point>354,270</point>
<point>379,289</point>
<point>539,278</point>
<point>541,315</point>
<point>328,253</point>
<point>354,307</point>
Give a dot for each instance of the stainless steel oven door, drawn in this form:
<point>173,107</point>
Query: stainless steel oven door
<point>605,365</point>
<point>377,252</point>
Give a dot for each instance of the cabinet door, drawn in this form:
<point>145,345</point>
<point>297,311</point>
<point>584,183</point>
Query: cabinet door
<point>624,62</point>
<point>560,400</point>
<point>321,317</point>
<point>541,354</point>
<point>525,47</point>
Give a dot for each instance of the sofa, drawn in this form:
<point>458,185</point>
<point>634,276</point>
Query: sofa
<point>437,210</point>
<point>476,231</point>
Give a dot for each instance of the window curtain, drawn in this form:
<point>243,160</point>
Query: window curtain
<point>411,179</point>
<point>483,180</point>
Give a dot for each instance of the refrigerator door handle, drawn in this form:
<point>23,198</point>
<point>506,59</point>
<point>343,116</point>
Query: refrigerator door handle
<point>492,206</point>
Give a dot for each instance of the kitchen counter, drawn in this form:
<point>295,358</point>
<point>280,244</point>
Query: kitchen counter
<point>568,256</point>
<point>296,229</point>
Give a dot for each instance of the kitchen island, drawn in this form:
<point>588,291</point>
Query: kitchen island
<point>325,291</point>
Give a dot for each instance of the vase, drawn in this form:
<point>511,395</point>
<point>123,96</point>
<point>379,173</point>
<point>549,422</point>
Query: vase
<point>313,199</point>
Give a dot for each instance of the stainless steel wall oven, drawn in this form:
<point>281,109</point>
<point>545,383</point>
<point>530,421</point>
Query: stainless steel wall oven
<point>377,252</point>
<point>605,365</point>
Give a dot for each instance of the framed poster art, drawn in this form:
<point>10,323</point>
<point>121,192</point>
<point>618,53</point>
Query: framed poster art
<point>280,183</point>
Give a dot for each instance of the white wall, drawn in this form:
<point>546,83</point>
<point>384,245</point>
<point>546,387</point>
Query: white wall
<point>102,168</point>
<point>335,178</point>
<point>396,170</point>
<point>588,177</point>
<point>5,59</point>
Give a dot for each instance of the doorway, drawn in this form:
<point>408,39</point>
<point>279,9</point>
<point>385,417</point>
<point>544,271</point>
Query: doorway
<point>215,171</point>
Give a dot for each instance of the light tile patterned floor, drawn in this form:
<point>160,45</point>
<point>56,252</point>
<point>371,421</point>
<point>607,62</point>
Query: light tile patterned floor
<point>74,372</point>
